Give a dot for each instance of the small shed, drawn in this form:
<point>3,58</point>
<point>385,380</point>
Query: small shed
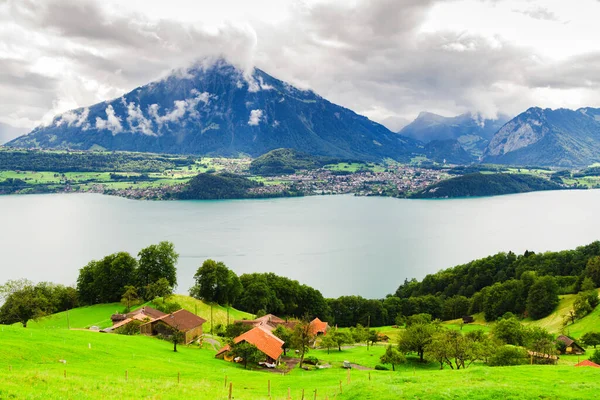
<point>572,346</point>
<point>467,319</point>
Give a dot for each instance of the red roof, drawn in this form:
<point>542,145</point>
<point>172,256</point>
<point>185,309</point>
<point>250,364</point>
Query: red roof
<point>182,320</point>
<point>265,341</point>
<point>146,311</point>
<point>318,326</point>
<point>587,363</point>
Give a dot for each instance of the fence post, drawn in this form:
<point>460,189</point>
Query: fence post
<point>125,374</point>
<point>348,376</point>
<point>341,391</point>
<point>225,382</point>
<point>65,373</point>
<point>230,389</point>
<point>369,375</point>
<point>315,394</point>
<point>289,395</point>
<point>302,394</point>
<point>269,388</point>
<point>178,377</point>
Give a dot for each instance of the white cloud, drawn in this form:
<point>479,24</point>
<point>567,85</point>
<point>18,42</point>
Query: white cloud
<point>137,122</point>
<point>255,117</point>
<point>72,118</point>
<point>380,57</point>
<point>180,108</point>
<point>112,122</point>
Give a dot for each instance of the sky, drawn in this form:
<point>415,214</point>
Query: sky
<point>386,59</point>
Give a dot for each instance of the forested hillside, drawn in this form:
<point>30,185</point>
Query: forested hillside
<point>486,185</point>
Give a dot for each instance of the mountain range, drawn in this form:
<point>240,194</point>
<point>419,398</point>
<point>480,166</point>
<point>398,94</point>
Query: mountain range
<point>215,108</point>
<point>546,137</point>
<point>472,132</point>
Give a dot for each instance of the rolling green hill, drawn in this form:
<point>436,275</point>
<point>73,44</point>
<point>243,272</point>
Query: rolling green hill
<point>99,315</point>
<point>485,185</point>
<point>553,322</point>
<point>97,364</point>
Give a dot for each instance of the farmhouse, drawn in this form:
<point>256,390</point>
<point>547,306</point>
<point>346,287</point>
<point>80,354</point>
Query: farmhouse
<point>268,322</point>
<point>318,327</point>
<point>144,314</point>
<point>270,345</point>
<point>572,346</point>
<point>183,321</point>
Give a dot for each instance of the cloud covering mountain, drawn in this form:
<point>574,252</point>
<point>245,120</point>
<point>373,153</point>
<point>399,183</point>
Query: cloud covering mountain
<point>382,58</point>
<point>215,108</point>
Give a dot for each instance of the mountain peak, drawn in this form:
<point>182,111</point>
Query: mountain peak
<point>217,108</point>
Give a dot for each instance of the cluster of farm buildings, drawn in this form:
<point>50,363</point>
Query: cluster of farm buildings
<point>189,325</point>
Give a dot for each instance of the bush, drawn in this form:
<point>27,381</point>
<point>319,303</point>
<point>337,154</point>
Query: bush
<point>311,360</point>
<point>508,355</point>
<point>595,357</point>
<point>167,307</point>
<point>380,367</point>
<point>132,328</point>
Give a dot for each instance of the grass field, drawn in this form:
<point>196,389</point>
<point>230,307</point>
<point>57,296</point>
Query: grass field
<point>553,322</point>
<point>97,364</point>
<point>99,315</point>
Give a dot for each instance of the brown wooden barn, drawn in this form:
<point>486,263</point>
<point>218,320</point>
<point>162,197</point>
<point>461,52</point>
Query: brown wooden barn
<point>572,346</point>
<point>182,320</point>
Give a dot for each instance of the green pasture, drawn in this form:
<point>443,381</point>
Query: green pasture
<point>114,366</point>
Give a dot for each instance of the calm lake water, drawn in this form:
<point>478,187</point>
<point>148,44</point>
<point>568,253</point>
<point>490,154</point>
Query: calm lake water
<point>340,245</point>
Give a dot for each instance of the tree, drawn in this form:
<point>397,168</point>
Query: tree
<point>372,338</point>
<point>439,349</point>
<point>302,338</point>
<point>591,339</point>
<point>160,288</point>
<point>581,306</point>
<point>327,341</point>
<point>13,285</point>
<point>103,281</point>
<point>284,334</point>
<point>455,307</point>
<point>24,305</point>
<point>130,297</point>
<point>176,337</point>
<point>508,355</point>
<point>216,283</point>
<point>595,357</point>
<point>542,298</point>
<point>416,337</point>
<point>509,330</point>
<point>592,270</point>
<point>360,334</point>
<point>247,351</point>
<point>587,284</point>
<point>339,338</point>
<point>236,329</point>
<point>539,340</point>
<point>392,356</point>
<point>157,261</point>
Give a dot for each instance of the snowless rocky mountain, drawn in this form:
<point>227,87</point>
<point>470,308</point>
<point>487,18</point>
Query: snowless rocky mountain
<point>472,132</point>
<point>546,137</point>
<point>215,108</point>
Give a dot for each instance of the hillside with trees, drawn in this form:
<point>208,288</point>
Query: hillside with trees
<point>485,185</point>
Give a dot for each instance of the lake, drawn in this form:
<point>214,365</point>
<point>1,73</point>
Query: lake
<point>341,245</point>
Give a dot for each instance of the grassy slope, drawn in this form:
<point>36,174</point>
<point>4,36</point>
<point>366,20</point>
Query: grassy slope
<point>99,315</point>
<point>553,322</point>
<point>96,365</point>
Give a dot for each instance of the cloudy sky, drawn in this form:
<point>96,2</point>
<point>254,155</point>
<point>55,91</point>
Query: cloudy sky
<point>386,59</point>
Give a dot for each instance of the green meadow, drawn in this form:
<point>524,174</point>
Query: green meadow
<point>130,367</point>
